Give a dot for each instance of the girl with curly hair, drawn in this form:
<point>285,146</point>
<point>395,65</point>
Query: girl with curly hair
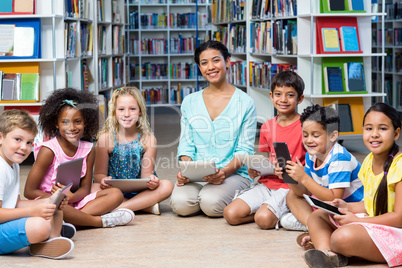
<point>70,118</point>
<point>126,149</point>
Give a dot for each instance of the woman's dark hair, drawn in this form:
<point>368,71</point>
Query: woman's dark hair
<point>86,103</point>
<point>326,116</point>
<point>211,44</point>
<point>288,79</point>
<point>381,195</point>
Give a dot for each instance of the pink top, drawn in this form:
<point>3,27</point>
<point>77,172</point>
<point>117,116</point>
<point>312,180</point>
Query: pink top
<point>84,148</point>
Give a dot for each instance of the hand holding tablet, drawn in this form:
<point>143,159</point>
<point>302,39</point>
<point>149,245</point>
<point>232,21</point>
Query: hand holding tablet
<point>314,202</point>
<point>195,171</point>
<point>282,154</point>
<point>257,162</point>
<point>62,194</point>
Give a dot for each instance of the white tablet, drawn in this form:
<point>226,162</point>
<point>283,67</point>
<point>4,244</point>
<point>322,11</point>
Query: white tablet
<point>70,172</point>
<point>314,202</point>
<point>257,162</point>
<point>130,185</point>
<point>196,170</point>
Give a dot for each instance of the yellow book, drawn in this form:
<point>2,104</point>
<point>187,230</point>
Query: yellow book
<point>330,40</point>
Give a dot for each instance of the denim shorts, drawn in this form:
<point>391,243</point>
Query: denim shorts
<point>13,236</point>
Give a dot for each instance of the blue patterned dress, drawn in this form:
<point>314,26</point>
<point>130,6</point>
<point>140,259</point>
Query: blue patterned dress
<point>125,160</point>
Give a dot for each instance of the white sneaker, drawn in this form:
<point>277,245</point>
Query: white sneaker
<point>156,209</point>
<point>54,248</point>
<point>289,222</point>
<point>121,216</point>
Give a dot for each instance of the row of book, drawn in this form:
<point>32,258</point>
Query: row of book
<point>233,37</point>
<point>100,5</point>
<point>342,6</point>
<point>262,73</point>
<point>19,86</point>
<point>393,10</point>
<point>71,39</point>
<point>77,8</point>
<point>188,20</point>
<point>103,73</point>
<point>276,37</point>
<point>177,94</point>
<point>236,74</point>
<point>265,9</point>
<point>118,40</point>
<point>151,71</point>
<point>161,95</point>
<point>166,1</point>
<point>159,46</point>
<point>348,77</point>
<point>164,20</point>
<point>227,10</point>
<point>101,35</point>
<point>392,37</point>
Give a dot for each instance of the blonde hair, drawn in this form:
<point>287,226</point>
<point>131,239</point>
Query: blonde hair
<point>112,125</point>
<point>12,119</point>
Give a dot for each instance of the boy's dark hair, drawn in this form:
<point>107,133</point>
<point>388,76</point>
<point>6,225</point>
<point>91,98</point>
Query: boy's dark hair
<point>11,119</point>
<point>288,79</point>
<point>381,196</point>
<point>87,104</point>
<point>211,44</point>
<point>326,116</point>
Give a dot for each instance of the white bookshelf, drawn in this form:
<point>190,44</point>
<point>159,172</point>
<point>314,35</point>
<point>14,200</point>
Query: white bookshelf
<point>166,31</point>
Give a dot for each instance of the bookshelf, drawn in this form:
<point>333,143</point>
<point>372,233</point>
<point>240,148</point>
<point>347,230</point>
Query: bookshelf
<point>265,56</point>
<point>391,24</point>
<point>161,38</point>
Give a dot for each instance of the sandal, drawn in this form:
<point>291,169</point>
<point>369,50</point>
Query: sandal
<point>324,259</point>
<point>304,241</point>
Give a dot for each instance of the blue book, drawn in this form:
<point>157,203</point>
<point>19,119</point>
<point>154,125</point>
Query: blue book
<point>349,40</point>
<point>6,6</point>
<point>330,39</point>
<point>333,79</point>
<point>356,5</point>
<point>354,76</point>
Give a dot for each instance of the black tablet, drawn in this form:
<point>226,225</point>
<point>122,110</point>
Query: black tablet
<point>314,202</point>
<point>282,155</point>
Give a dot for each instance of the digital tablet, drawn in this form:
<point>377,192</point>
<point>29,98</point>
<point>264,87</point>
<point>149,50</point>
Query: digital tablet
<point>62,194</point>
<point>282,154</point>
<point>196,170</point>
<point>257,162</point>
<point>314,202</point>
<point>70,172</point>
<point>130,185</point>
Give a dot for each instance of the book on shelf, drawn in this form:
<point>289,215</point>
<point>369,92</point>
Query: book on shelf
<point>336,5</point>
<point>24,41</point>
<point>356,5</point>
<point>333,79</point>
<point>374,9</point>
<point>345,117</point>
<point>6,7</point>
<point>11,89</point>
<point>330,40</point>
<point>349,39</point>
<point>30,86</point>
<point>17,7</point>
<point>354,76</point>
<point>7,40</point>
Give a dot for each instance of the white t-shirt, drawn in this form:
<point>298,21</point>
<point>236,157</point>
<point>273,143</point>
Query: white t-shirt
<point>9,184</point>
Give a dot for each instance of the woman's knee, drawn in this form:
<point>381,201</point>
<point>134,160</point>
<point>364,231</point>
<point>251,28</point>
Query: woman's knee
<point>37,229</point>
<point>182,206</point>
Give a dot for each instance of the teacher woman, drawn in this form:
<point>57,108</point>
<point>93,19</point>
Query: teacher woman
<point>217,123</point>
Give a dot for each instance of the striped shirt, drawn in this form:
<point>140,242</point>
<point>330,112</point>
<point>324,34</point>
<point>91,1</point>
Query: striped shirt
<point>340,169</point>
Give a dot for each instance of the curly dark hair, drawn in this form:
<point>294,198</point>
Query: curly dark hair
<point>326,116</point>
<point>211,44</point>
<point>87,104</point>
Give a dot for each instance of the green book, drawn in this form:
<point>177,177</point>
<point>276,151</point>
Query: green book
<point>30,86</point>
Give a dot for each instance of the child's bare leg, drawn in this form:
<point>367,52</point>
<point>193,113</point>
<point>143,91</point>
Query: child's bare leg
<point>320,229</point>
<point>105,201</point>
<point>37,229</point>
<point>146,199</point>
<point>238,212</point>
<point>299,207</point>
<point>56,222</point>
<point>80,218</point>
<point>353,240</point>
<point>264,218</point>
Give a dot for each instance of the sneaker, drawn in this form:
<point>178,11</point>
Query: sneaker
<point>324,258</point>
<point>289,222</point>
<point>67,230</point>
<point>54,248</point>
<point>156,209</point>
<point>121,216</point>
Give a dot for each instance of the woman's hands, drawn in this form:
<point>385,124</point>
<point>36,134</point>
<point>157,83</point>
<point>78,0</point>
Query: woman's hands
<point>216,178</point>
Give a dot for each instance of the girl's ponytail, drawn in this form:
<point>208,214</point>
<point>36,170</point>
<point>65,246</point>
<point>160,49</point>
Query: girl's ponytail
<point>381,196</point>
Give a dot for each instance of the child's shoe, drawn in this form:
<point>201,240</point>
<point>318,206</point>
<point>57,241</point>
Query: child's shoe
<point>121,216</point>
<point>156,209</point>
<point>67,230</point>
<point>289,222</point>
<point>54,248</point>
<point>324,259</point>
